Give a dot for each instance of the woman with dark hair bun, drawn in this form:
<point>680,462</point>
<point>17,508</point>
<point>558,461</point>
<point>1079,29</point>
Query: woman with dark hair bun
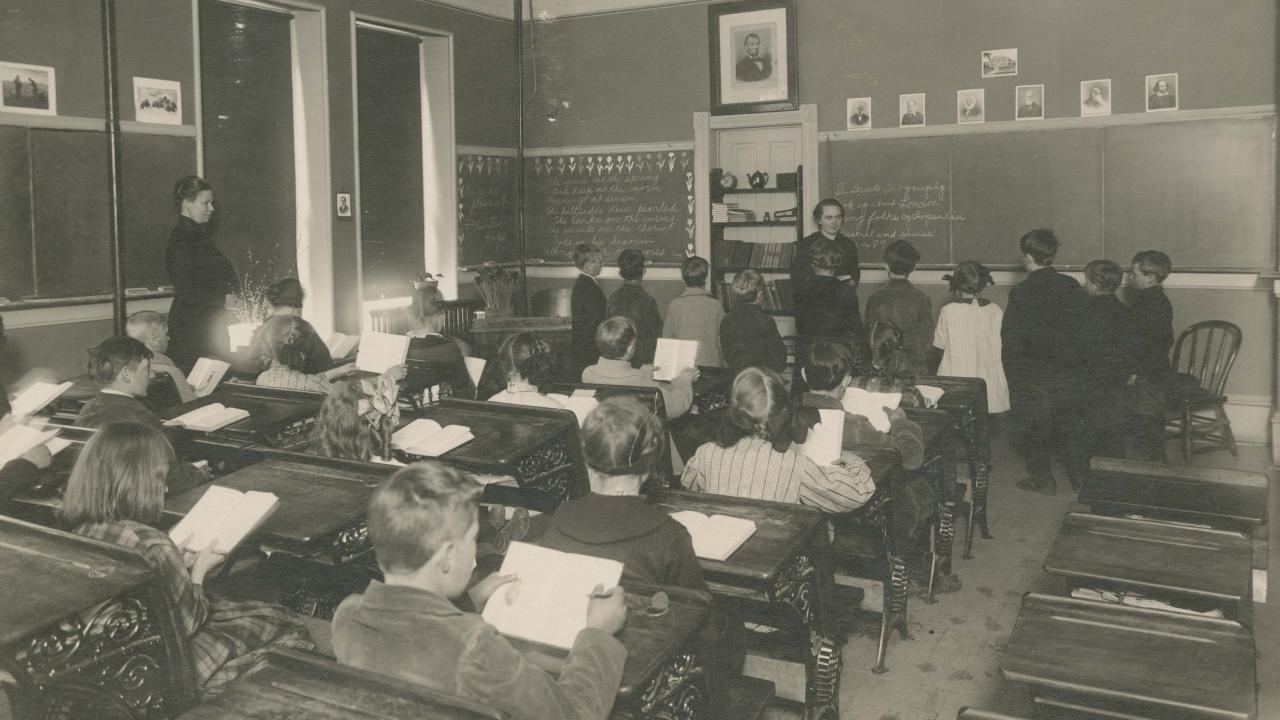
<point>204,281</point>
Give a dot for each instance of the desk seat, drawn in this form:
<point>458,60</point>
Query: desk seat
<point>1131,662</point>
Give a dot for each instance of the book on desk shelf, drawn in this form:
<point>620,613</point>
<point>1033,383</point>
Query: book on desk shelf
<point>672,356</point>
<point>380,352</point>
<point>37,395</point>
<point>341,345</point>
<point>208,418</point>
<point>222,517</point>
<point>427,438</point>
<point>547,602</point>
<point>581,402</point>
<point>826,439</point>
<point>206,374</point>
<point>871,405</point>
<point>715,537</point>
<point>22,439</point>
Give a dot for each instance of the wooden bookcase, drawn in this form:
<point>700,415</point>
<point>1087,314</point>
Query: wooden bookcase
<point>733,251</point>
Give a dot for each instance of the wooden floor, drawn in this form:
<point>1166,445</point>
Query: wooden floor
<point>953,660</point>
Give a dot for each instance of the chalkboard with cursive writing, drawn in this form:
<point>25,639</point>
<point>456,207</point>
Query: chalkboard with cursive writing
<point>641,200</point>
<point>486,210</point>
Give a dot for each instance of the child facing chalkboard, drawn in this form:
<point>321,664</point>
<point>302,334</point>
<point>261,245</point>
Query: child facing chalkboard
<point>968,334</point>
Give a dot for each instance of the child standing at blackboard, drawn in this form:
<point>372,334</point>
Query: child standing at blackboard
<point>968,334</point>
<point>633,301</point>
<point>1153,321</point>
<point>587,306</point>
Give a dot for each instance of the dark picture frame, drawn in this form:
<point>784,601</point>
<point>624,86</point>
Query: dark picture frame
<point>753,56</point>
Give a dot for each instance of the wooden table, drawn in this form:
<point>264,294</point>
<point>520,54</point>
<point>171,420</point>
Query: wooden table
<point>1120,661</point>
<point>965,399</point>
<point>277,417</point>
<point>1225,499</point>
<point>776,577</point>
<point>1158,559</point>
<point>301,686</point>
<point>88,630</point>
<point>664,676</point>
<point>539,447</point>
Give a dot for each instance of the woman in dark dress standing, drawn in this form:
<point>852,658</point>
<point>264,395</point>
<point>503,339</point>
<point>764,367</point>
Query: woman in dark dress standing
<point>204,281</point>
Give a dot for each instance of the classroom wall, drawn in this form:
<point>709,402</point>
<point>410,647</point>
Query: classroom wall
<point>638,76</point>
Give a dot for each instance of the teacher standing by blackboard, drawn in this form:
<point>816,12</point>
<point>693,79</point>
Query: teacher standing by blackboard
<point>204,281</point>
<point>829,216</point>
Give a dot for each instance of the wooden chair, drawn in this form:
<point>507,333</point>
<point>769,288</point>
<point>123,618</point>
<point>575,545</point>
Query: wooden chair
<point>1205,351</point>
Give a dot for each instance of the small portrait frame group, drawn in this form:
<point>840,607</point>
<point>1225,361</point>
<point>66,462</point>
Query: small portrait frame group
<point>971,106</point>
<point>1162,92</point>
<point>753,56</point>
<point>857,113</point>
<point>1028,102</point>
<point>1095,98</point>
<point>911,110</point>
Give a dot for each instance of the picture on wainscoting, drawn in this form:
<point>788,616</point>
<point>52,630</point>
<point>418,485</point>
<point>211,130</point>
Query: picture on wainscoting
<point>753,56</point>
<point>858,111</point>
<point>29,89</point>
<point>157,101</point>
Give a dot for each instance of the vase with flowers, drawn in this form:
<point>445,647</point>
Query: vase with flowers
<point>496,285</point>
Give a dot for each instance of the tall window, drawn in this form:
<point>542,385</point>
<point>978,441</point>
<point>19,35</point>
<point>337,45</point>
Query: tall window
<point>389,111</point>
<point>247,100</point>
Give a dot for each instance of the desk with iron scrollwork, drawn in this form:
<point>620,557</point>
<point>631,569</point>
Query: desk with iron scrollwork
<point>778,577</point>
<point>939,469</point>
<point>539,447</point>
<point>277,417</point>
<point>88,630</point>
<point>965,399</point>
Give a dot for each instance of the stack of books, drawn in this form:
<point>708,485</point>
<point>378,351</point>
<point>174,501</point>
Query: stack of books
<point>762,256</point>
<point>730,212</point>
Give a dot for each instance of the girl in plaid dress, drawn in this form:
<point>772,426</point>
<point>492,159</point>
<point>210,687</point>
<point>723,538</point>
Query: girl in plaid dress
<point>115,493</point>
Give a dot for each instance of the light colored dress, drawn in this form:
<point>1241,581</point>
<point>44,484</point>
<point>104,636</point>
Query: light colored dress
<point>968,334</point>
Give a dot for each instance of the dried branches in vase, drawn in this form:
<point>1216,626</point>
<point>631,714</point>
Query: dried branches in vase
<point>496,285</point>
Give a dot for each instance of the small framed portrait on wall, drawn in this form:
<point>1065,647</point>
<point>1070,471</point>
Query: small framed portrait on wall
<point>753,56</point>
<point>1095,97</point>
<point>971,106</point>
<point>858,111</point>
<point>911,109</point>
<point>1162,92</point>
<point>1029,102</point>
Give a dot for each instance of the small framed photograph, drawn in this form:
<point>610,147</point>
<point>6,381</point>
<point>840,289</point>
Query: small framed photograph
<point>971,106</point>
<point>999,63</point>
<point>753,56</point>
<point>1095,97</point>
<point>1029,102</point>
<point>858,110</point>
<point>1162,92</point>
<point>31,89</point>
<point>157,101</point>
<point>911,110</point>
<point>342,203</point>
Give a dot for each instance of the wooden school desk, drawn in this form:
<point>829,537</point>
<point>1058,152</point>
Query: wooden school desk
<point>89,631</point>
<point>1124,662</point>
<point>664,675</point>
<point>775,577</point>
<point>302,686</point>
<point>965,399</point>
<point>939,469</point>
<point>539,447</point>
<point>1157,559</point>
<point>650,397</point>
<point>1225,499</point>
<point>277,417</point>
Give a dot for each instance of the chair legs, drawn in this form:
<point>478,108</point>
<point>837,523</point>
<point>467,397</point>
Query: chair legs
<point>1212,430</point>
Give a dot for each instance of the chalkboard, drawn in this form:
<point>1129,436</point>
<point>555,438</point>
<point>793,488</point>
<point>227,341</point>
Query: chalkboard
<point>17,277</point>
<point>151,164</point>
<point>486,210</point>
<point>618,201</point>
<point>70,216</point>
<point>1202,190</point>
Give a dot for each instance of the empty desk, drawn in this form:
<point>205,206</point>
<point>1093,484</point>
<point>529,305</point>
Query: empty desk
<point>1226,499</point>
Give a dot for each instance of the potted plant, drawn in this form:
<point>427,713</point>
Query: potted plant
<point>496,284</point>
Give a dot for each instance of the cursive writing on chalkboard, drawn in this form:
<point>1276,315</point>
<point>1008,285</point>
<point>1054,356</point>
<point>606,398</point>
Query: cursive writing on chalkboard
<point>876,214</point>
<point>486,209</point>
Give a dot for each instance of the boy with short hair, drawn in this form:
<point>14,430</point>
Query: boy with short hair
<point>1153,338</point>
<point>1036,343</point>
<point>423,524</point>
<point>695,314</point>
<point>616,341</point>
<point>748,335</point>
<point>151,329</point>
<point>903,304</point>
<point>829,308</point>
<point>587,306</point>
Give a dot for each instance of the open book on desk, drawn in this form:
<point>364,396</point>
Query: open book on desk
<point>871,405</point>
<point>715,537</point>
<point>547,602</point>
<point>581,402</point>
<point>340,345</point>
<point>379,352</point>
<point>22,439</point>
<point>672,356</point>
<point>428,438</point>
<point>208,418</point>
<point>222,517</point>
<point>826,439</point>
<point>33,399</point>
<point>206,374</point>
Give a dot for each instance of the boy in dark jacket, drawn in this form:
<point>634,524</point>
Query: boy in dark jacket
<point>828,310</point>
<point>1153,338</point>
<point>1037,338</point>
<point>748,335</point>
<point>903,304</point>
<point>587,306</point>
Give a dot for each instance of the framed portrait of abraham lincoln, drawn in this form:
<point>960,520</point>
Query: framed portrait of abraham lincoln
<point>753,56</point>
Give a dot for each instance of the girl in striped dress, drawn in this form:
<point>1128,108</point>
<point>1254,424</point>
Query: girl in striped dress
<point>115,494</point>
<point>968,334</point>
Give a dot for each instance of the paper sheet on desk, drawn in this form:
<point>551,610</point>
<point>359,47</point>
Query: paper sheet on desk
<point>871,405</point>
